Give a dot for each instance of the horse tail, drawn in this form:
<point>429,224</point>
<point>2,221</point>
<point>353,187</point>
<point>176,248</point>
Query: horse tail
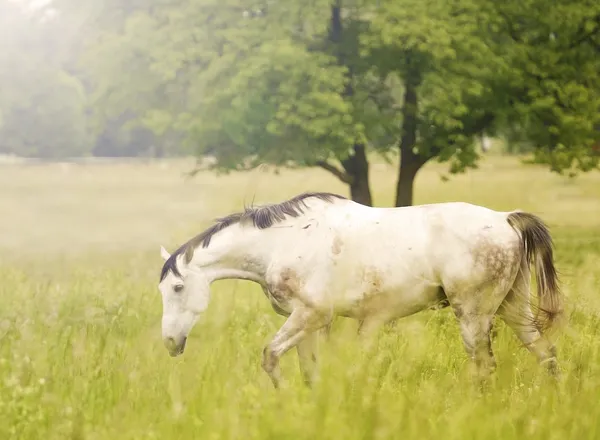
<point>538,247</point>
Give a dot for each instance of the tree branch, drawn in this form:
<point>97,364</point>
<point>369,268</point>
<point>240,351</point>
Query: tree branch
<point>340,174</point>
<point>476,127</point>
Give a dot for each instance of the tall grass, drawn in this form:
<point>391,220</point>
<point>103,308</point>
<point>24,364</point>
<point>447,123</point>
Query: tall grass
<point>80,349</point>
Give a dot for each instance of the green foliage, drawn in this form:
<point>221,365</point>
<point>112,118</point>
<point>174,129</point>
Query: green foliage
<point>247,86</point>
<point>51,122</point>
<point>440,51</point>
<point>43,107</point>
<point>283,103</point>
<point>270,82</point>
<point>482,65</point>
<point>551,81</point>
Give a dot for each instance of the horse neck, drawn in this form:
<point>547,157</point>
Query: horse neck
<point>234,253</point>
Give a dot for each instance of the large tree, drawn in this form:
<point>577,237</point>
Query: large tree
<point>438,51</point>
<point>248,85</point>
<point>323,83</point>
<point>470,66</point>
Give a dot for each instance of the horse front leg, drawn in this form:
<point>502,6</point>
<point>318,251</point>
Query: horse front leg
<point>300,324</point>
<point>307,357</point>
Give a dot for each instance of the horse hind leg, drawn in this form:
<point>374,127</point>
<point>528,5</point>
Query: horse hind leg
<point>516,312</point>
<point>475,332</point>
<point>475,310</point>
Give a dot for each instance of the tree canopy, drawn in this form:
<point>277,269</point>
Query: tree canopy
<point>320,83</point>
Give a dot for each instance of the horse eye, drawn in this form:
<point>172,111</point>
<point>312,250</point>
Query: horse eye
<point>178,288</point>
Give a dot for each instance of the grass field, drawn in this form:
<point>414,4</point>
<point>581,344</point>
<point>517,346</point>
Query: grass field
<point>81,355</point>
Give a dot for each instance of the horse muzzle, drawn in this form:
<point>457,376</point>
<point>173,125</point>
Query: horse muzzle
<point>175,347</point>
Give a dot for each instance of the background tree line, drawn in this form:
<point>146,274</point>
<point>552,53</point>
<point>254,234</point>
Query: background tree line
<point>296,83</point>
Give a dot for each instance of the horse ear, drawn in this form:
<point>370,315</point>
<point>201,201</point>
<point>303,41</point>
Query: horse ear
<point>164,254</point>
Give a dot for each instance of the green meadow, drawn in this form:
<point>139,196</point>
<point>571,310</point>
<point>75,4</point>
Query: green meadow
<point>81,355</point>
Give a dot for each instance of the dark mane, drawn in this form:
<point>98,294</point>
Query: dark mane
<point>261,217</point>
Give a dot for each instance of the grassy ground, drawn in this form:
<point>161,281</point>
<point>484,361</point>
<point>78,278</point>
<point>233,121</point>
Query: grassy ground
<point>80,349</point>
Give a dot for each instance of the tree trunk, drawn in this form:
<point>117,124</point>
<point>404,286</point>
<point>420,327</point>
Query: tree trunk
<point>361,193</point>
<point>410,162</point>
<point>357,168</point>
<point>409,167</point>
<point>355,173</point>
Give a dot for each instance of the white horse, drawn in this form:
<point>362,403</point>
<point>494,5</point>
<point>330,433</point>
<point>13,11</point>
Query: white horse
<point>320,255</point>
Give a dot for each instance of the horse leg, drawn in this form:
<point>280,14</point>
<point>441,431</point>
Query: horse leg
<point>368,326</point>
<point>475,332</point>
<point>307,358</point>
<point>326,330</point>
<point>516,313</point>
<point>301,323</point>
<point>475,313</point>
<point>307,348</point>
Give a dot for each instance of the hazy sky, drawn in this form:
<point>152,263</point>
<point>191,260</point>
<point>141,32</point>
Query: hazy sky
<point>34,3</point>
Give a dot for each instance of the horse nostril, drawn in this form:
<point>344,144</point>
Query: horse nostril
<point>175,346</point>
<point>169,343</point>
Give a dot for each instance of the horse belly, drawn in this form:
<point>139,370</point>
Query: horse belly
<point>394,302</point>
